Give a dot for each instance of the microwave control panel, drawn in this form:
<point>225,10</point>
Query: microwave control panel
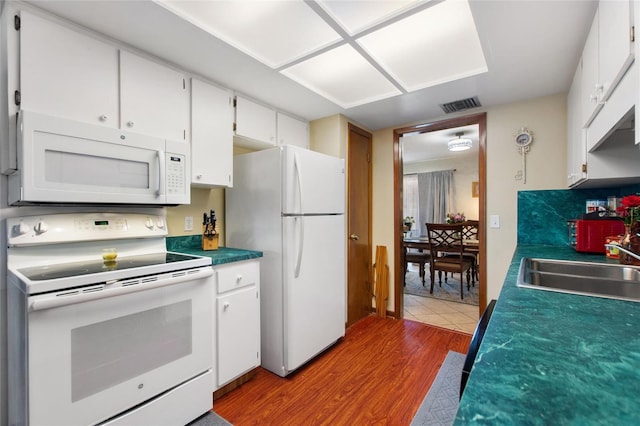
<point>176,174</point>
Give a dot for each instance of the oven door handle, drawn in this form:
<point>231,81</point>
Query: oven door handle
<point>50,301</point>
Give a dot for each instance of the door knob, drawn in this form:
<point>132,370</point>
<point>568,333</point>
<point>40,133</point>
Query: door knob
<point>354,237</point>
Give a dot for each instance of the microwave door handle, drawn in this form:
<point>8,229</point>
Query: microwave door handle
<point>161,169</point>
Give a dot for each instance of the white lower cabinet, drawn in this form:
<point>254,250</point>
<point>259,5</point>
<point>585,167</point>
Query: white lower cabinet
<point>236,320</point>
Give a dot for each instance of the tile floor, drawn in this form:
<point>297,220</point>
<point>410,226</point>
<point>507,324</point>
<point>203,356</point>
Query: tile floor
<point>451,315</point>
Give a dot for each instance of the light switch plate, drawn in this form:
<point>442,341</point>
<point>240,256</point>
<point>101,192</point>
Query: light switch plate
<point>188,223</point>
<point>494,221</point>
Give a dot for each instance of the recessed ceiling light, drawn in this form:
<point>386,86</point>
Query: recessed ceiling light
<point>350,52</point>
<point>433,46</point>
<point>355,16</point>
<point>343,76</point>
<point>273,32</point>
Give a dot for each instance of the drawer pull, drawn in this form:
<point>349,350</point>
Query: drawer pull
<point>238,279</point>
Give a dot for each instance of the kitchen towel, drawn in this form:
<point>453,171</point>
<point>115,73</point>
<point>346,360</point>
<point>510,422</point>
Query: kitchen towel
<point>440,405</point>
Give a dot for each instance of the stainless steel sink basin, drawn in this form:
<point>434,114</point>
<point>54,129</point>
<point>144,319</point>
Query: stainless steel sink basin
<point>590,279</point>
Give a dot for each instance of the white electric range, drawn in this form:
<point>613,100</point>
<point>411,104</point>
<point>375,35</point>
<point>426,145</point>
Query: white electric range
<point>95,339</point>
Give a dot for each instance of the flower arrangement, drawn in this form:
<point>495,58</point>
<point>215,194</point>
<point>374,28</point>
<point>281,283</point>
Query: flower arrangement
<point>408,223</point>
<point>629,209</point>
<point>455,218</point>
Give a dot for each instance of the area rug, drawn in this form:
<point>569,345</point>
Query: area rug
<point>209,419</point>
<point>440,405</point>
<point>450,290</point>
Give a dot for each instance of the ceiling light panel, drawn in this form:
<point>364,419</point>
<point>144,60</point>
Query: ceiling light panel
<point>273,32</point>
<point>355,16</point>
<point>343,76</point>
<point>439,44</point>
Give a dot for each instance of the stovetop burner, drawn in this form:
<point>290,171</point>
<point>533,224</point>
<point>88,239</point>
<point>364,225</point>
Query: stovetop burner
<point>73,269</point>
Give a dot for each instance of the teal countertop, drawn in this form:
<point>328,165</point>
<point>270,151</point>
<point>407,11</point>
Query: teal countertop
<point>554,358</point>
<point>192,244</point>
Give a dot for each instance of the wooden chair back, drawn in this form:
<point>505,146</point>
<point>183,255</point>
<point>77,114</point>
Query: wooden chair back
<point>470,229</point>
<point>444,238</point>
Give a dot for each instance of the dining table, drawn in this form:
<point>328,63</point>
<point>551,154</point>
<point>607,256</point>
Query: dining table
<point>470,246</point>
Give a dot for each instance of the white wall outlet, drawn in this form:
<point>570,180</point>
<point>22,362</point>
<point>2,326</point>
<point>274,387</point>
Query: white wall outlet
<point>494,221</point>
<point>188,223</point>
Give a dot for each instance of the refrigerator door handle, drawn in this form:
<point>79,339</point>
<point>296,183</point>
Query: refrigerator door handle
<point>300,245</point>
<point>298,179</point>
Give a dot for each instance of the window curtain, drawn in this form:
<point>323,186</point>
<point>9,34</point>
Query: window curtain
<point>435,198</point>
<point>410,200</point>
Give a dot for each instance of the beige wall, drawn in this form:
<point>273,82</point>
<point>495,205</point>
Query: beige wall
<point>202,200</point>
<point>329,136</point>
<point>546,165</point>
<point>466,173</point>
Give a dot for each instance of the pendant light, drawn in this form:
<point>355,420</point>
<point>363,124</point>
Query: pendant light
<point>460,144</point>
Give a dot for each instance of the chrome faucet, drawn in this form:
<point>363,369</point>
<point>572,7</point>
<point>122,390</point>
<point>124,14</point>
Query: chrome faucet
<point>622,249</point>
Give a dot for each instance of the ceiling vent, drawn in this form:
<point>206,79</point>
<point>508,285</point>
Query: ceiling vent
<point>461,105</point>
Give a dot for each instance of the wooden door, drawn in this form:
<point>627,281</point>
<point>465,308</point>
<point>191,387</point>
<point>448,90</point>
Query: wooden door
<point>359,225</point>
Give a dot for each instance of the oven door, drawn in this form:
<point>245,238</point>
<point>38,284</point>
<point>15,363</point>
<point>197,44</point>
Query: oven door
<point>91,360</point>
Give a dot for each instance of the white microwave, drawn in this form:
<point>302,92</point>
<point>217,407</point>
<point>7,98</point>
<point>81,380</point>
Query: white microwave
<point>64,161</point>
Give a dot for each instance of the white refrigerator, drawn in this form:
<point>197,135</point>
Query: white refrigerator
<point>288,202</point>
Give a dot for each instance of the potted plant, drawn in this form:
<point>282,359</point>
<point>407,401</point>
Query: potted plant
<point>408,223</point>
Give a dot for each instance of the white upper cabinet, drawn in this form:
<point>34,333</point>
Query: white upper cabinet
<point>607,54</point>
<point>154,98</point>
<point>589,75</point>
<point>255,124</point>
<point>67,73</point>
<point>576,138</point>
<point>616,45</point>
<point>211,135</point>
<point>292,131</point>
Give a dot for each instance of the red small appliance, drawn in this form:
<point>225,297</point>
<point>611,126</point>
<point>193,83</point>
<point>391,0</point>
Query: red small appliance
<point>588,236</point>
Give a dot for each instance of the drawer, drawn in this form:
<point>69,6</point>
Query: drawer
<point>236,275</point>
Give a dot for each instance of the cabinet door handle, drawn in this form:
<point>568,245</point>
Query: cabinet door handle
<point>225,306</point>
<point>238,279</point>
<point>103,118</point>
<point>131,123</point>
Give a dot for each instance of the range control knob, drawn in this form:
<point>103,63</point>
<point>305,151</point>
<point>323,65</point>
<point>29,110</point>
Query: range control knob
<point>149,223</point>
<point>160,223</point>
<point>41,227</point>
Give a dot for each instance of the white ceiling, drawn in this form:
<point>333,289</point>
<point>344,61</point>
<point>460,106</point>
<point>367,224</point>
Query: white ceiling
<point>531,48</point>
<point>431,146</point>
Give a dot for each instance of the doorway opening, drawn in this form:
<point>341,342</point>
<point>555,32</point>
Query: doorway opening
<point>399,227</point>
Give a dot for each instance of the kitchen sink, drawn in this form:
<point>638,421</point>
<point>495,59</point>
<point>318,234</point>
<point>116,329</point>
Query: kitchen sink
<point>591,279</point>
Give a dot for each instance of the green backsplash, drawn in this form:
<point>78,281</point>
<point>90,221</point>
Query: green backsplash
<point>543,215</point>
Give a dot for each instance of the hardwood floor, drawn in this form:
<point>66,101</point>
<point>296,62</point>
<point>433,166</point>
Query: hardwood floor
<point>378,374</point>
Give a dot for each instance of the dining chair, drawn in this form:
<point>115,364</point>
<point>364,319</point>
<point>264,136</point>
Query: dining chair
<point>447,253</point>
<point>419,257</point>
<point>469,233</point>
<point>470,230</point>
